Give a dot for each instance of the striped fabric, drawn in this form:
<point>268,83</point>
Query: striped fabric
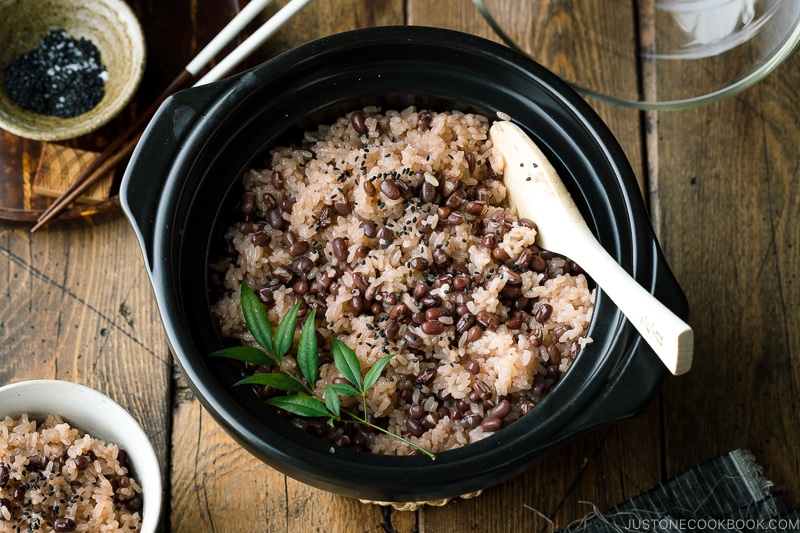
<point>726,494</point>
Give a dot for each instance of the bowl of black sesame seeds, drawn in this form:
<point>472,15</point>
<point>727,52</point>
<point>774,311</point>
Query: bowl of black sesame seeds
<point>67,67</point>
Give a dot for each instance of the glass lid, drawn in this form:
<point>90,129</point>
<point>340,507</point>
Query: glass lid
<point>651,54</point>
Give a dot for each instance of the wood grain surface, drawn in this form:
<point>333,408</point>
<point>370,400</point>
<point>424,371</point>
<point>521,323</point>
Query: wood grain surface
<point>723,186</point>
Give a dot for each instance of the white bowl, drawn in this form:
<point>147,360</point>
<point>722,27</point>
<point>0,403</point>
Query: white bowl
<point>97,414</point>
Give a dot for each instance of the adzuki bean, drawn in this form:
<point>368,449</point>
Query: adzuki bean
<point>543,313</point>
<point>432,327</point>
<point>389,189</point>
<point>358,120</point>
<point>339,249</point>
<point>492,424</point>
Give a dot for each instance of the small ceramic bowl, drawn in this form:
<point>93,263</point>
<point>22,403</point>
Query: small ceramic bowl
<point>109,24</point>
<point>98,415</point>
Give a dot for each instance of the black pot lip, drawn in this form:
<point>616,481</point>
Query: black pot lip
<point>451,467</point>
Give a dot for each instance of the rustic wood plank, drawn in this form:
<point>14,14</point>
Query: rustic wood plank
<point>595,472</point>
<point>320,511</point>
<point>327,17</point>
<point>608,466</point>
<point>202,501</point>
<point>216,483</point>
<point>78,307</point>
<point>730,194</point>
<point>587,44</point>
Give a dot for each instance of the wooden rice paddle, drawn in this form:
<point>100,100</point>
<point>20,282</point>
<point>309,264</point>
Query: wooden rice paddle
<point>538,194</point>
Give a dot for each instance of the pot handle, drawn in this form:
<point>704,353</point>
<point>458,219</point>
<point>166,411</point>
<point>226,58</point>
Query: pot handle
<point>152,160</point>
<point>629,393</point>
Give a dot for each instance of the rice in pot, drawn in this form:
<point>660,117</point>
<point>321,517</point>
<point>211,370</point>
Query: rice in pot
<point>395,227</point>
<point>54,477</point>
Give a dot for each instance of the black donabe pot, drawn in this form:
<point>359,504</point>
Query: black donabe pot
<point>185,175</point>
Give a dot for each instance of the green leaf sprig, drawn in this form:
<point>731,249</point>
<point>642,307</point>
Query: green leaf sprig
<point>303,400</point>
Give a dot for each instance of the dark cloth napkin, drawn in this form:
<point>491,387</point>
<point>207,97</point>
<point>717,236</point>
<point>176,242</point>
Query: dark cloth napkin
<point>727,494</point>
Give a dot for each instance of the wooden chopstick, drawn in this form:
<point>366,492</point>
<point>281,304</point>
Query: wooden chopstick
<point>92,173</point>
<point>125,143</point>
<point>258,38</point>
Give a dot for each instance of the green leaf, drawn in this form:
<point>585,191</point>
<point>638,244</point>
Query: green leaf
<point>300,404</point>
<point>284,334</point>
<point>273,379</point>
<point>343,389</point>
<point>248,354</point>
<point>375,372</point>
<point>332,400</point>
<point>307,354</point>
<point>255,316</point>
<point>347,363</point>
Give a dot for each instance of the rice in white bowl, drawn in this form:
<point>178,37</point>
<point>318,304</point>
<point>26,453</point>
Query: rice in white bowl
<point>54,477</point>
<point>374,221</point>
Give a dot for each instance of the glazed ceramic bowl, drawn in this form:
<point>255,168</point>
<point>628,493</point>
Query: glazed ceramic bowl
<point>98,415</point>
<point>185,176</point>
<point>110,25</point>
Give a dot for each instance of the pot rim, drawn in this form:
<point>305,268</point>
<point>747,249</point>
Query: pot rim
<point>391,478</point>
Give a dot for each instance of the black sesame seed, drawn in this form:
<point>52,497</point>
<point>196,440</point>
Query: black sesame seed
<point>63,77</point>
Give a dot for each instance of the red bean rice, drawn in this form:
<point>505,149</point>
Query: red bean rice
<point>54,477</point>
<point>423,259</point>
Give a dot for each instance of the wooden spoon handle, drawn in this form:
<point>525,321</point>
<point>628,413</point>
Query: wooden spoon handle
<point>671,338</point>
<point>537,192</point>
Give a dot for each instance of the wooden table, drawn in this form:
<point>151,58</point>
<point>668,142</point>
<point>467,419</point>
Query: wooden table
<point>723,186</point>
